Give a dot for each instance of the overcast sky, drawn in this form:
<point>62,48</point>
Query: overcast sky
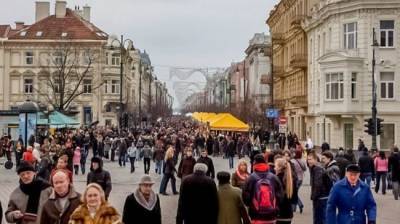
<point>188,33</point>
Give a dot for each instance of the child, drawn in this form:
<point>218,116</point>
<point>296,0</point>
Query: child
<point>77,159</point>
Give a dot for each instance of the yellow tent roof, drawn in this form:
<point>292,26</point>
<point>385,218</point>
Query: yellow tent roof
<point>228,122</point>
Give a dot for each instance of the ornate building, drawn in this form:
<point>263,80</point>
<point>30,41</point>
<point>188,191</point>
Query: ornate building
<point>289,59</point>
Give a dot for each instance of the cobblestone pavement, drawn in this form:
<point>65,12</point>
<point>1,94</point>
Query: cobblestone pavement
<point>124,183</point>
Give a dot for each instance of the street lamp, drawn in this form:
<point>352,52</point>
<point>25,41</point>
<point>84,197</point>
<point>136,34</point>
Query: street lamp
<point>123,50</point>
<point>375,46</point>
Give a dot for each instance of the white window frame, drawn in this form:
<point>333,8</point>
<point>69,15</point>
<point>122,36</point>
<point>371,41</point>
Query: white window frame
<point>28,86</point>
<point>115,59</point>
<point>115,86</point>
<point>87,86</point>
<point>329,84</point>
<point>387,32</point>
<point>58,58</point>
<point>353,89</point>
<point>347,34</point>
<point>387,83</point>
<point>29,59</point>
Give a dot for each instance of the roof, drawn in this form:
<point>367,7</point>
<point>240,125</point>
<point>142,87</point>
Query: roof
<point>4,29</point>
<point>145,58</point>
<point>73,26</point>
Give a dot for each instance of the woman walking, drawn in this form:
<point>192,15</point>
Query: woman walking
<point>169,173</point>
<point>283,170</point>
<point>132,153</point>
<point>240,176</point>
<point>95,208</point>
<point>77,159</point>
<point>300,167</point>
<point>381,167</point>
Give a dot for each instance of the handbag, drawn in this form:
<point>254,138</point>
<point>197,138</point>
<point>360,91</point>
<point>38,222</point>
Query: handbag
<point>9,164</point>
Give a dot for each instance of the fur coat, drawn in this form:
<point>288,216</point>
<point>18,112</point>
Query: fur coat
<point>105,215</point>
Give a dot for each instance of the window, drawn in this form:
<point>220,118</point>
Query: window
<point>334,86</point>
<point>387,85</point>
<point>108,107</point>
<point>106,83</point>
<point>107,58</point>
<point>28,85</point>
<point>29,58</point>
<point>64,34</point>
<point>39,33</point>
<point>115,59</point>
<point>86,57</point>
<point>58,58</point>
<point>350,35</point>
<point>387,33</point>
<point>348,136</point>
<point>87,86</point>
<point>353,85</point>
<point>115,86</point>
<point>23,33</point>
<point>387,136</point>
<point>56,84</point>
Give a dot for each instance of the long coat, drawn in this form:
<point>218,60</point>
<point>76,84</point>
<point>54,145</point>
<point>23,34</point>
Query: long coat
<point>19,201</point>
<point>136,213</point>
<point>231,206</point>
<point>351,202</point>
<point>105,215</point>
<point>53,214</point>
<point>198,193</point>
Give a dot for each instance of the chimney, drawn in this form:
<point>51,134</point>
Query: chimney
<point>61,9</point>
<point>19,25</point>
<point>42,10</point>
<point>86,13</point>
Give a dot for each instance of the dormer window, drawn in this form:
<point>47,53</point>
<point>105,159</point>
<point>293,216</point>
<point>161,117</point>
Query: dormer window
<point>23,33</point>
<point>64,34</point>
<point>39,33</point>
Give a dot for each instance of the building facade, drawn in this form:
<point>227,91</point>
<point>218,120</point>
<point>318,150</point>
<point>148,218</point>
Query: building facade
<point>289,59</point>
<point>340,35</point>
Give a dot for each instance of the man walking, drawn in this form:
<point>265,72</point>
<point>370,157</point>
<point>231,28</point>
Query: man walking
<point>394,168</point>
<point>353,199</point>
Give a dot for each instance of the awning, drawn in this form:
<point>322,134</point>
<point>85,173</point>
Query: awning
<point>57,120</point>
<point>228,122</point>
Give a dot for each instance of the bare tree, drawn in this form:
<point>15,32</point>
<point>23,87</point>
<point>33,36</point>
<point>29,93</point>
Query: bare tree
<point>67,67</point>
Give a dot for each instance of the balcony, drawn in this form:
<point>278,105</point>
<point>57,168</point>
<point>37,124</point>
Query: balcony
<point>278,71</point>
<point>278,38</point>
<point>300,101</point>
<point>299,61</point>
<point>279,103</point>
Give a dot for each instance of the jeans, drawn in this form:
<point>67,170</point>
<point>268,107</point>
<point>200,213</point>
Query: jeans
<point>230,159</point>
<point>132,159</point>
<point>122,159</point>
<point>396,189</point>
<point>366,177</point>
<point>164,183</point>
<point>299,202</point>
<point>319,211</point>
<point>83,163</point>
<point>159,165</point>
<point>381,175</point>
<point>76,169</point>
<point>146,162</point>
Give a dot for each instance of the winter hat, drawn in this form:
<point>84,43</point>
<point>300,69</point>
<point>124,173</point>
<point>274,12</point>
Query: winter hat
<point>259,159</point>
<point>25,166</point>
<point>353,168</point>
<point>96,160</point>
<point>200,167</point>
<point>146,179</point>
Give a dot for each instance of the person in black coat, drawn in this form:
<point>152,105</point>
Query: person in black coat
<point>142,206</point>
<point>198,193</point>
<point>99,175</point>
<point>367,168</point>
<point>394,168</point>
<point>208,161</point>
<point>342,162</point>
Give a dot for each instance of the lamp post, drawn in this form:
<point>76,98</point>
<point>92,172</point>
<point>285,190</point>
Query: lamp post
<point>124,54</point>
<point>375,46</point>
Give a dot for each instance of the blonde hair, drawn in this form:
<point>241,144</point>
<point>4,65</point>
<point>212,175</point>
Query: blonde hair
<point>244,162</point>
<point>287,177</point>
<point>169,154</point>
<point>97,187</point>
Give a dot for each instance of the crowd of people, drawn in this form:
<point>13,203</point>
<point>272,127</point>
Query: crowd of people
<point>263,187</point>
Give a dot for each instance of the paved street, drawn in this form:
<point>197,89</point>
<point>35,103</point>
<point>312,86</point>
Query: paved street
<point>124,183</point>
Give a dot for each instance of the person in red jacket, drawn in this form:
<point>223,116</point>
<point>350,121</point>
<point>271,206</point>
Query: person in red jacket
<point>28,156</point>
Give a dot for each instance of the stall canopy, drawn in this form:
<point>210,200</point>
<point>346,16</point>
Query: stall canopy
<point>228,122</point>
<point>57,120</point>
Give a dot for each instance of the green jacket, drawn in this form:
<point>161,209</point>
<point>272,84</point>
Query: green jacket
<point>231,207</point>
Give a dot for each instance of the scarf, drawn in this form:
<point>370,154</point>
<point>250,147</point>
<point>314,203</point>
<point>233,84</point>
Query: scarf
<point>149,205</point>
<point>242,177</point>
<point>33,190</point>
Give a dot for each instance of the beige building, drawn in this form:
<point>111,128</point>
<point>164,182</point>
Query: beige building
<point>289,59</point>
<point>340,71</point>
<point>31,55</point>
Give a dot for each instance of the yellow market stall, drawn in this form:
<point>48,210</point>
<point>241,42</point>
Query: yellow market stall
<point>227,122</point>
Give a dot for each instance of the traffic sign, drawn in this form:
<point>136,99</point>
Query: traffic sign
<point>272,113</point>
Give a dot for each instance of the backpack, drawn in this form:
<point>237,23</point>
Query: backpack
<point>264,201</point>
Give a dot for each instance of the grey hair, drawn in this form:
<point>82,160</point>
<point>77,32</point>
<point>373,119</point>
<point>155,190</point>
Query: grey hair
<point>200,167</point>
